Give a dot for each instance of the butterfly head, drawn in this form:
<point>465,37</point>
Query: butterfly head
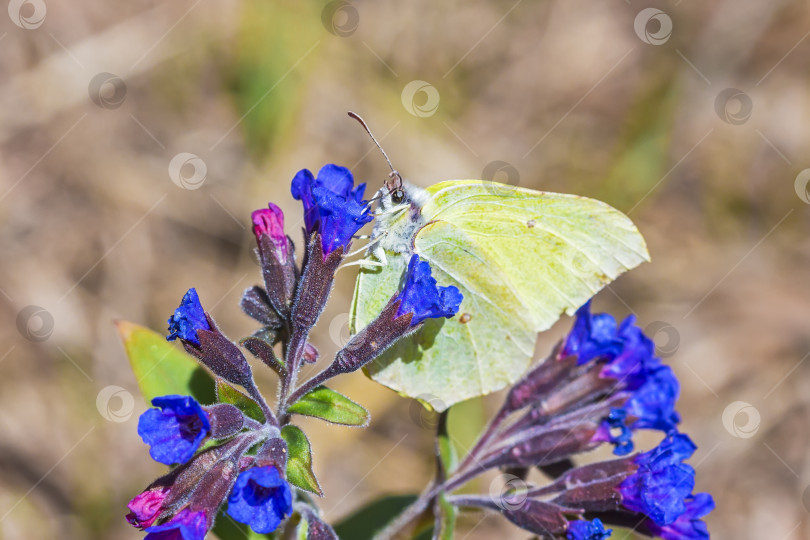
<point>399,214</point>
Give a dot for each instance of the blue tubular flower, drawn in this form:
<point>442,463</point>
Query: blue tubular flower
<point>332,205</point>
<point>261,498</point>
<point>653,404</point>
<point>636,356</point>
<point>662,483</point>
<point>689,526</point>
<point>587,530</point>
<point>187,319</point>
<point>186,525</point>
<point>592,336</point>
<point>423,297</point>
<point>614,421</point>
<point>176,431</point>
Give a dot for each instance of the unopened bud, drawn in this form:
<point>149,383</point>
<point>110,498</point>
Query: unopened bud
<point>226,420</point>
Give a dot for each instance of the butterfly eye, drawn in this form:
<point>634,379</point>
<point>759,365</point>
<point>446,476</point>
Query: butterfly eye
<point>398,196</point>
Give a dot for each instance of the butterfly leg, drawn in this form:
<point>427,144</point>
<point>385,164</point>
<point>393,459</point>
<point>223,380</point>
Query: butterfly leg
<point>379,253</point>
<point>363,263</point>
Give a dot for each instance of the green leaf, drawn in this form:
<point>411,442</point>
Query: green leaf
<point>331,406</point>
<point>161,368</point>
<point>369,519</point>
<point>299,462</point>
<point>228,394</point>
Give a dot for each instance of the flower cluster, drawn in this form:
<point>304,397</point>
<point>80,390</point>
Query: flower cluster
<point>627,358</point>
<point>600,385</point>
<point>231,456</point>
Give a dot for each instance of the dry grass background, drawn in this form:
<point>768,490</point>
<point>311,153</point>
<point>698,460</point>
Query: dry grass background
<point>93,229</point>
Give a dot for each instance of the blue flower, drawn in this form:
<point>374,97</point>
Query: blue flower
<point>587,530</point>
<point>422,297</point>
<point>175,431</point>
<point>261,498</point>
<point>653,403</point>
<point>614,421</point>
<point>593,336</point>
<point>662,483</point>
<point>636,357</point>
<point>651,406</point>
<point>688,526</point>
<point>331,206</point>
<point>186,525</point>
<point>187,319</point>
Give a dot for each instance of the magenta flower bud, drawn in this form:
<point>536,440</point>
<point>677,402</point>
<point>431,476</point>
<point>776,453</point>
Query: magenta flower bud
<point>270,222</point>
<point>146,507</point>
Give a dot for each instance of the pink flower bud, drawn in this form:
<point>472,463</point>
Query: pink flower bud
<point>146,506</point>
<point>270,222</point>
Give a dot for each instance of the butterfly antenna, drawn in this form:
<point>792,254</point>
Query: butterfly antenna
<point>394,174</point>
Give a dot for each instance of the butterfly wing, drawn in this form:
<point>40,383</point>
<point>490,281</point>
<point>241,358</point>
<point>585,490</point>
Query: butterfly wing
<point>520,258</point>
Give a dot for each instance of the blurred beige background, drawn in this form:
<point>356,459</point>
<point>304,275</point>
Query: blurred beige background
<point>692,117</point>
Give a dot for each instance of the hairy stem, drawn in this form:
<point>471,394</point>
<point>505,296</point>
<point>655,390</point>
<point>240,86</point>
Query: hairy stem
<point>258,398</point>
<point>295,352</point>
<point>310,385</point>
